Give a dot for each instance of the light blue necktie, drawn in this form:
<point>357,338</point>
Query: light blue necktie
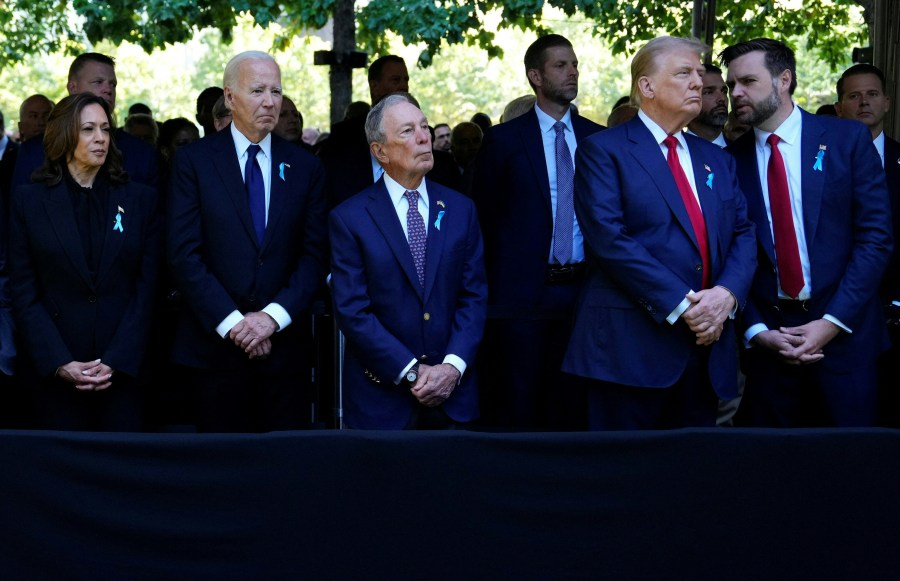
<point>565,203</point>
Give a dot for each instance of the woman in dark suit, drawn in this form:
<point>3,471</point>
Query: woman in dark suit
<point>84,253</point>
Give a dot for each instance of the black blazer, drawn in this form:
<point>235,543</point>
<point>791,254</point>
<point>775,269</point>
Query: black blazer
<point>217,261</point>
<point>890,287</point>
<point>61,313</point>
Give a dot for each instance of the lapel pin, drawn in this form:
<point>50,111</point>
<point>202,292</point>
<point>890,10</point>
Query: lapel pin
<point>118,223</point>
<point>819,157</point>
<point>441,203</point>
<point>281,170</point>
<point>437,223</point>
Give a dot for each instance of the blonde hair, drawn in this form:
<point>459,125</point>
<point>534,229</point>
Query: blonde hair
<point>645,60</point>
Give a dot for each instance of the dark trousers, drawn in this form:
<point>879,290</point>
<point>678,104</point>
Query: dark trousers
<point>252,399</point>
<point>59,406</point>
<point>522,387</point>
<point>690,402</point>
<point>840,390</point>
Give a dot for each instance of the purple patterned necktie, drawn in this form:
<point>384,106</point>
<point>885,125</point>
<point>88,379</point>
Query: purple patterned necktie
<point>415,228</point>
<point>256,191</point>
<point>565,203</point>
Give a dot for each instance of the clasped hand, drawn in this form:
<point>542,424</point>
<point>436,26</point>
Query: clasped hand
<point>707,314</point>
<point>435,384</point>
<point>799,345</point>
<point>86,376</point>
<point>253,334</point>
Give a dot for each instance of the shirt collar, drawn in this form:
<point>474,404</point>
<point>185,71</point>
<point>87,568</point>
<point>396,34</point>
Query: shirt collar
<point>547,122</point>
<point>396,191</point>
<point>659,134</point>
<point>241,143</point>
<point>789,131</point>
<point>879,145</point>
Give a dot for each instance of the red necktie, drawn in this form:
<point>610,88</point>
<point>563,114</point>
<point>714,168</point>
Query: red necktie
<point>787,253</point>
<point>690,203</point>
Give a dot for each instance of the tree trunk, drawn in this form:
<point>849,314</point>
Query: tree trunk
<point>341,75</point>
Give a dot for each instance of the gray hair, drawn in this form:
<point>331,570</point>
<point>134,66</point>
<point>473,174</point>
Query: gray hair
<point>644,61</point>
<point>231,69</point>
<point>374,129</point>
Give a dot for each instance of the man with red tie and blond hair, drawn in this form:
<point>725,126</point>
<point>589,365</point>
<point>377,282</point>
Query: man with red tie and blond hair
<point>816,191</point>
<point>670,256</point>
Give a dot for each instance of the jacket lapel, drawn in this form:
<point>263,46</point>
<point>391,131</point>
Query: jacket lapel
<point>434,247</point>
<point>384,215</point>
<point>813,137</point>
<point>113,239</point>
<point>657,168</point>
<point>709,205</point>
<point>534,148</point>
<point>278,189</point>
<point>744,151</point>
<point>228,168</point>
<point>62,220</point>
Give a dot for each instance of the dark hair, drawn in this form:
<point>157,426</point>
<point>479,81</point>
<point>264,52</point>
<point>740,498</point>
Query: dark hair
<point>713,69</point>
<point>859,69</point>
<point>170,128</point>
<point>377,65</point>
<point>61,139</point>
<point>82,59</point>
<point>779,57</point>
<point>140,108</point>
<point>535,55</point>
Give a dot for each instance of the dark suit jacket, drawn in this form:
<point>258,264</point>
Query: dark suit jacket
<point>512,191</point>
<point>890,286</point>
<point>846,218</point>
<point>348,163</point>
<point>62,314</point>
<point>643,258</point>
<point>138,159</point>
<point>215,257</point>
<point>7,166</point>
<point>387,317</point>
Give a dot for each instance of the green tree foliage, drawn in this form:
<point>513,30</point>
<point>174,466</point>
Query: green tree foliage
<point>48,26</point>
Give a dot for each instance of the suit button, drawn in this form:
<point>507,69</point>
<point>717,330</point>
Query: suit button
<point>698,267</point>
<point>92,299</point>
<point>427,316</point>
<point>259,262</point>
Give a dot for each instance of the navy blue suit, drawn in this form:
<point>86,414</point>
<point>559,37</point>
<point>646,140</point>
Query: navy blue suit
<point>643,258</point>
<point>64,314</point>
<point>138,159</point>
<point>220,266</point>
<point>846,217</point>
<point>530,320</point>
<point>389,319</point>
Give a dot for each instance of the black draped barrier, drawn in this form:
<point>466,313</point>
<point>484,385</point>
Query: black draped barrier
<point>692,504</point>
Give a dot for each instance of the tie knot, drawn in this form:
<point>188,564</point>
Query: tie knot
<point>773,140</point>
<point>671,142</point>
<point>560,127</point>
<point>413,197</point>
<point>252,150</point>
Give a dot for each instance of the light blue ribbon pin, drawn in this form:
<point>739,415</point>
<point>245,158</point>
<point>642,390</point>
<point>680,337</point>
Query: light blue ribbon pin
<point>281,170</point>
<point>118,224</point>
<point>437,223</point>
<point>819,156</point>
<point>709,180</point>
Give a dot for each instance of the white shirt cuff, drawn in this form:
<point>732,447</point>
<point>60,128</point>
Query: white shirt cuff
<point>837,322</point>
<point>277,312</point>
<point>228,323</point>
<point>403,373</point>
<point>679,310</point>
<point>456,362</point>
<point>895,303</point>
<point>752,332</point>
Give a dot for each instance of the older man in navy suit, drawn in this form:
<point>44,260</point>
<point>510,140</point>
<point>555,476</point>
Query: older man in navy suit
<point>533,246</point>
<point>670,256</point>
<point>408,284</point>
<point>246,243</point>
<point>816,191</point>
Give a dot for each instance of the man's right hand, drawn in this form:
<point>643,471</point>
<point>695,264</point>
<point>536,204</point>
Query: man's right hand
<point>785,345</point>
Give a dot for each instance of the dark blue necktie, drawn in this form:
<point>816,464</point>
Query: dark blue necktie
<point>256,191</point>
<point>415,227</point>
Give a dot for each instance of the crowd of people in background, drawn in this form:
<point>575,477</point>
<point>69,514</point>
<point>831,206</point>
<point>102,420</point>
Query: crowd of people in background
<point>713,255</point>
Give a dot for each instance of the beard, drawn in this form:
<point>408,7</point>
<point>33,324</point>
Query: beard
<point>714,118</point>
<point>759,111</point>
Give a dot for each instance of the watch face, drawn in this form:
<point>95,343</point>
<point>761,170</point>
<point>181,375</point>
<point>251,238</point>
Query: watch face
<point>411,375</point>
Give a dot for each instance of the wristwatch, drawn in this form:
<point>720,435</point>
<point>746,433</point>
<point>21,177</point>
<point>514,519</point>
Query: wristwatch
<point>412,375</point>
